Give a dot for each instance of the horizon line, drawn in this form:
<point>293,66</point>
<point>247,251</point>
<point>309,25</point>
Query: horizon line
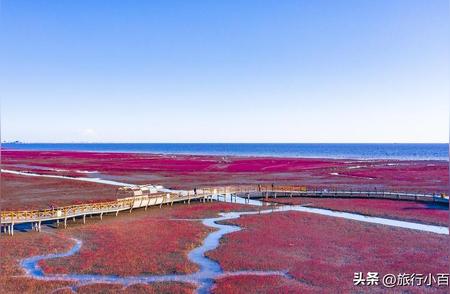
<point>112,142</point>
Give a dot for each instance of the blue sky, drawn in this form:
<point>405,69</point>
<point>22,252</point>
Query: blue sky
<point>225,71</point>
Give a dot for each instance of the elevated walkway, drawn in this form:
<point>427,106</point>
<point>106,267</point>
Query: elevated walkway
<point>144,196</point>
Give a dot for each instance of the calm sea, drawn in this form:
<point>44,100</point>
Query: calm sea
<point>354,151</point>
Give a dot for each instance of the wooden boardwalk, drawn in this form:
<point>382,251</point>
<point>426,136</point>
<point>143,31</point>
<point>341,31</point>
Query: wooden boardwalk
<point>143,197</point>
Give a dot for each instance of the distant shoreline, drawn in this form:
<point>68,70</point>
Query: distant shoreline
<point>363,158</point>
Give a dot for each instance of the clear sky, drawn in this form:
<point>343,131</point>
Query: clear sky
<point>225,71</point>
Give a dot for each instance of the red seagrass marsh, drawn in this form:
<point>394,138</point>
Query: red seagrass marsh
<point>277,252</point>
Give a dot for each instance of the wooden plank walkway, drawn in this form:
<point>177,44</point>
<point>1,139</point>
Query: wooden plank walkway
<point>142,197</point>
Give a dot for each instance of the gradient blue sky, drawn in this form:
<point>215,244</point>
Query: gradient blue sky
<point>225,71</point>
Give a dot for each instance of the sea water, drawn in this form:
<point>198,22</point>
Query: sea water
<point>351,151</point>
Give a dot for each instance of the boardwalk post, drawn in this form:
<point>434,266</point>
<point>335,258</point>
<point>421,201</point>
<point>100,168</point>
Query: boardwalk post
<point>35,218</point>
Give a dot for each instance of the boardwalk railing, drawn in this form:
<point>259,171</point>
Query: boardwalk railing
<point>149,198</point>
